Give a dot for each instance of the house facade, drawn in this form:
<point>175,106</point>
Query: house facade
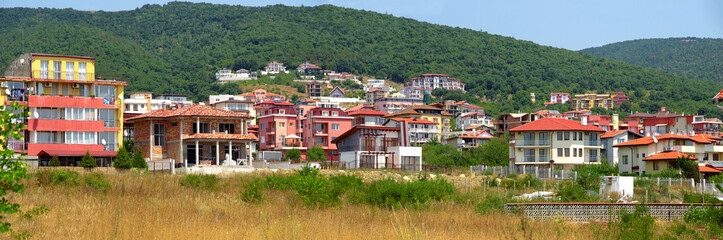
<point>505,122</point>
<point>428,82</point>
<point>226,75</point>
<point>195,135</point>
<point>321,126</point>
<point>651,154</point>
<point>337,92</point>
<point>258,96</point>
<point>233,105</point>
<point>465,120</point>
<point>377,147</point>
<point>592,100</point>
<point>307,68</point>
<point>275,125</point>
<point>555,142</point>
<point>469,140</point>
<point>274,68</point>
<point>558,97</point>
<point>71,112</point>
<point>415,131</point>
<point>610,138</point>
<point>391,105</point>
<point>367,117</point>
<point>314,89</point>
<point>426,112</point>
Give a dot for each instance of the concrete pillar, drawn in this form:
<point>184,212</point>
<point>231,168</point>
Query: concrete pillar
<point>230,150</point>
<point>180,145</point>
<point>198,125</point>
<point>218,154</point>
<point>150,142</point>
<point>197,156</point>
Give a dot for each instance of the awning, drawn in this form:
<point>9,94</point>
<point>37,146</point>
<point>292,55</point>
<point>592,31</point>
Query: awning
<point>76,153</point>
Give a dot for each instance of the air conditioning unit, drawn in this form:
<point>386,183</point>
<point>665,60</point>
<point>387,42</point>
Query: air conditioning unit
<point>47,84</point>
<point>3,84</point>
<point>76,85</point>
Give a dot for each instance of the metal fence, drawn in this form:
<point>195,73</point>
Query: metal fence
<point>534,170</point>
<point>161,167</point>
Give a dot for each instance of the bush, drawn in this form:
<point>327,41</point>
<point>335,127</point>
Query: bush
<point>57,177</point>
<point>316,154</point>
<point>315,190</point>
<point>293,155</point>
<point>389,193</point>
<point>693,197</point>
<point>493,202</point>
<point>252,192</point>
<point>200,181</point>
<point>54,161</point>
<point>88,161</point>
<point>96,181</point>
<point>279,182</point>
<point>138,161</point>
<point>573,192</point>
<point>588,175</point>
<point>635,225</point>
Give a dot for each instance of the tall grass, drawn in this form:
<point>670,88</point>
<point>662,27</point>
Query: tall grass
<point>144,206</point>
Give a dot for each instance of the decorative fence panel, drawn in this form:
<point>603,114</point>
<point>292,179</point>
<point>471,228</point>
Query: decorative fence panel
<point>586,212</point>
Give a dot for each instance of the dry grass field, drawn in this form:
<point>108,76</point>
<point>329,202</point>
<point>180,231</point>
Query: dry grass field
<point>146,206</point>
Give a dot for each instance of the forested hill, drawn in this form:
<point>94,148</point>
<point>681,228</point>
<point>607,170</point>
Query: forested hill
<point>696,58</point>
<point>177,48</point>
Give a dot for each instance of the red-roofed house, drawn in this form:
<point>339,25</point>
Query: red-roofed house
<point>194,135</point>
<point>274,68</point>
<point>417,131</point>
<point>260,95</point>
<point>377,147</point>
<point>367,117</point>
<point>633,153</point>
<point>611,138</point>
<point>465,120</point>
<point>469,140</point>
<point>337,92</point>
<point>558,97</point>
<point>428,82</point>
<point>321,126</point>
<point>555,141</point>
<point>307,68</point>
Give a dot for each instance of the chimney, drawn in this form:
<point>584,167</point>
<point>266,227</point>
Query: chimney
<point>662,109</point>
<point>583,120</point>
<point>616,122</point>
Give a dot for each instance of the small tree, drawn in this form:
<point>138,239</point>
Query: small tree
<point>316,154</point>
<point>688,167</point>
<point>88,161</point>
<point>122,159</point>
<point>293,155</point>
<point>54,161</point>
<point>12,168</point>
<point>138,160</point>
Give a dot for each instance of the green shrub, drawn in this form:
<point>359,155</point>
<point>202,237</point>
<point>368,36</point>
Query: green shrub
<point>389,193</point>
<point>54,161</point>
<point>138,161</point>
<point>693,197</point>
<point>122,159</point>
<point>88,162</point>
<point>315,190</point>
<point>200,181</point>
<point>635,225</point>
<point>293,155</point>
<point>589,175</point>
<point>573,192</point>
<point>279,182</point>
<point>493,202</point>
<point>57,177</point>
<point>252,192</point>
<point>96,181</point>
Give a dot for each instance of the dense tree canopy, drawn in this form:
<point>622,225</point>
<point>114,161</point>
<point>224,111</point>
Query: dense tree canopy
<point>178,47</point>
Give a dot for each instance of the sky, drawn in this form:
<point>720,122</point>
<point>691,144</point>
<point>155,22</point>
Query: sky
<point>569,24</point>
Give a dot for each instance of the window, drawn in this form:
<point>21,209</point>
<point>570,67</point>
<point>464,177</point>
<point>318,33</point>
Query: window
<point>107,116</point>
<point>335,114</point>
<point>544,138</point>
<point>559,136</point>
<point>319,127</point>
<point>334,126</point>
<point>282,125</point>
<point>227,127</point>
<point>173,124</point>
<point>567,152</point>
<point>567,136</point>
<point>204,128</point>
<point>579,136</point>
<point>159,134</point>
<point>410,163</point>
<point>324,113</point>
<point>291,124</point>
<point>320,140</point>
<point>559,152</point>
<point>49,137</point>
<point>80,138</point>
<point>625,159</point>
<point>69,68</point>
<point>261,126</point>
<point>574,136</point>
<point>56,69</point>
<point>105,91</point>
<point>44,69</point>
<point>574,152</point>
<point>81,71</point>
<point>579,152</point>
<point>110,140</point>
<point>656,165</point>
<point>49,113</point>
<point>80,114</point>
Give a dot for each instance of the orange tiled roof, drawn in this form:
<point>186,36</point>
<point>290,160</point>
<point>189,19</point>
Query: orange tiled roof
<point>366,112</point>
<point>719,95</point>
<point>699,138</point>
<point>556,124</point>
<point>220,135</point>
<point>706,169</point>
<point>361,106</point>
<point>190,111</point>
<point>412,120</point>
<point>612,133</point>
<point>671,155</point>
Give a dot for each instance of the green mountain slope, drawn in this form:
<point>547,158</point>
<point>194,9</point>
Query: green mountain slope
<point>179,46</point>
<point>696,58</point>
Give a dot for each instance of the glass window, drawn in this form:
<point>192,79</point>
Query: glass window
<point>107,116</point>
<point>567,136</point>
<point>44,69</point>
<point>559,136</point>
<point>320,140</point>
<point>559,152</point>
<point>334,126</point>
<point>224,127</point>
<point>204,128</point>
<point>567,152</point>
<point>56,69</point>
<point>69,69</point>
<point>159,134</point>
<point>81,71</point>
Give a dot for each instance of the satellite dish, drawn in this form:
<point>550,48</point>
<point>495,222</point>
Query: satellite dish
<point>32,89</point>
<point>22,60</point>
<point>7,91</point>
<point>121,97</point>
<point>103,141</point>
<point>125,132</point>
<point>36,115</point>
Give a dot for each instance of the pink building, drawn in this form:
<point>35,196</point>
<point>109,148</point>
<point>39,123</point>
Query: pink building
<point>275,125</point>
<point>323,125</point>
<point>260,95</point>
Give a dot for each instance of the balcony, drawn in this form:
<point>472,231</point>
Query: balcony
<point>321,133</point>
<point>531,143</point>
<point>540,159</point>
<point>17,145</point>
<point>70,102</point>
<point>111,123</point>
<point>60,76</point>
<point>593,143</point>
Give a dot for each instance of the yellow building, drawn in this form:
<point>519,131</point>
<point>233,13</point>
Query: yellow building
<point>71,112</point>
<point>426,112</point>
<point>591,100</point>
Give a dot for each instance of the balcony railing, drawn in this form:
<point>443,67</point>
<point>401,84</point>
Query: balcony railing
<point>592,143</point>
<point>17,145</point>
<point>110,123</point>
<point>593,159</point>
<point>110,147</point>
<point>543,158</point>
<point>57,75</point>
<point>536,143</point>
